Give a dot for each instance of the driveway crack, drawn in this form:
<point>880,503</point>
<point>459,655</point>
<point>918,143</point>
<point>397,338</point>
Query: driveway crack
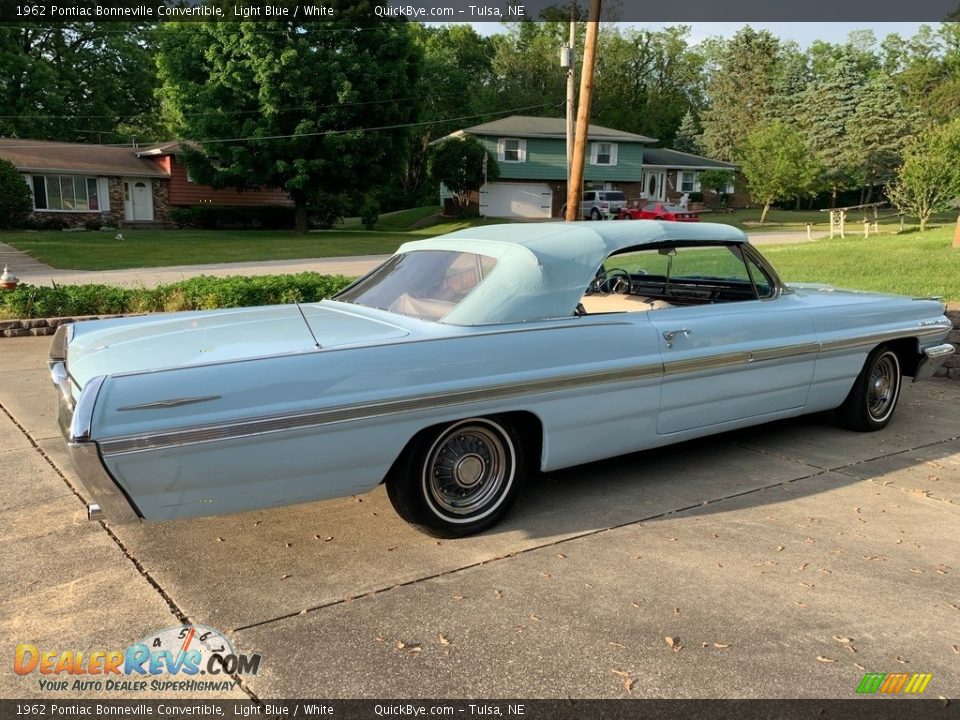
<point>555,543</point>
<point>174,608</point>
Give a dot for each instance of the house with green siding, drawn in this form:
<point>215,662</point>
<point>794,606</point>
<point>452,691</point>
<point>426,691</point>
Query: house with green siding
<point>532,155</point>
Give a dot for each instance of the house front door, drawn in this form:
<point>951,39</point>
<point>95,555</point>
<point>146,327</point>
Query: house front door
<point>137,200</point>
<point>654,182</point>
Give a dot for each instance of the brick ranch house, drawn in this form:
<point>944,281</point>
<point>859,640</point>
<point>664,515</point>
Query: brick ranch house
<point>532,156</point>
<point>117,186</point>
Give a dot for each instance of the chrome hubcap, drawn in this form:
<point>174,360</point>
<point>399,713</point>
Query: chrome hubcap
<point>469,469</point>
<point>466,470</point>
<point>882,388</point>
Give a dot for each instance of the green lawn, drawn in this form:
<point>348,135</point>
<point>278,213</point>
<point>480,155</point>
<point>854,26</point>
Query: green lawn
<point>788,220</point>
<point>159,248</point>
<point>909,264</point>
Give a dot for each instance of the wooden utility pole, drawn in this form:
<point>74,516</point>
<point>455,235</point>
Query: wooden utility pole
<point>575,179</point>
<point>571,84</point>
<point>956,234</point>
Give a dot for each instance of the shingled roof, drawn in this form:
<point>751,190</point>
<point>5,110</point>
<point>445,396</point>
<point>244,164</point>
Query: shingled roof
<point>666,158</point>
<point>532,127</point>
<point>53,156</point>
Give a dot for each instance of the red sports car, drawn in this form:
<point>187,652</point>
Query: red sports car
<point>659,211</point>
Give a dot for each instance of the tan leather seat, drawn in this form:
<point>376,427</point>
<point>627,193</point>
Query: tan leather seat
<point>620,303</point>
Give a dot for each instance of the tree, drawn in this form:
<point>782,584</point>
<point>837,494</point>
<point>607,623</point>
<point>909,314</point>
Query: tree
<point>830,106</point>
<point>785,102</point>
<point>878,131</point>
<point>458,164</point>
<point>738,90</point>
<point>646,81</point>
<point>16,201</point>
<point>90,82</point>
<point>718,181</point>
<point>319,110</point>
<point>929,179</point>
<point>688,134</point>
<point>454,83</point>
<point>777,165</point>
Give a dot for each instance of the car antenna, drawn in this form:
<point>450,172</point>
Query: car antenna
<point>307,323</point>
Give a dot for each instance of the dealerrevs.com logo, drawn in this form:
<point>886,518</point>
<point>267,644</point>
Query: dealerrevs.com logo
<point>173,659</point>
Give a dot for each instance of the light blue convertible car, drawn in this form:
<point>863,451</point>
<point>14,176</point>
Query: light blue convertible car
<point>466,362</point>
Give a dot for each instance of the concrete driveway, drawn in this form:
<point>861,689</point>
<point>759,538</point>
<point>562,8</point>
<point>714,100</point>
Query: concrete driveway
<point>779,561</point>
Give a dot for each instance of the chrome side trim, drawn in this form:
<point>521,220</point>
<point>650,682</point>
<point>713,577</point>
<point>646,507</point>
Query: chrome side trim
<point>709,362</point>
<point>348,413</point>
<point>873,339</point>
<point>171,403</point>
<point>712,362</point>
<point>932,360</point>
<point>248,427</point>
<point>785,352</point>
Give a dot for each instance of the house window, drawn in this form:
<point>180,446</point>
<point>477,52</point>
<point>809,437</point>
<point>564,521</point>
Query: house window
<point>603,153</point>
<point>512,150</point>
<point>689,181</point>
<point>65,192</point>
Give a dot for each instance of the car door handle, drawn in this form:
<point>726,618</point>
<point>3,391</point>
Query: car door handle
<point>669,335</point>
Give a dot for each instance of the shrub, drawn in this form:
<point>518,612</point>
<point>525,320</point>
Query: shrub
<point>93,225</point>
<point>47,223</point>
<point>213,217</point>
<point>199,293</point>
<point>369,212</point>
<point>16,200</point>
<point>326,209</point>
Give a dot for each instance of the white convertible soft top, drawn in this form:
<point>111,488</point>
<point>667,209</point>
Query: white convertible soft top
<point>543,268</point>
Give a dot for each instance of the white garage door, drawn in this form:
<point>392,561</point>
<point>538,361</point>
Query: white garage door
<point>516,200</point>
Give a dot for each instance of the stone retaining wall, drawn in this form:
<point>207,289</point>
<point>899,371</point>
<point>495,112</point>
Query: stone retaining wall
<point>951,368</point>
<point>42,326</point>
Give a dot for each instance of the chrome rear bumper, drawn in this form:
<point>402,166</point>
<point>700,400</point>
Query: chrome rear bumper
<point>932,360</point>
<point>75,419</point>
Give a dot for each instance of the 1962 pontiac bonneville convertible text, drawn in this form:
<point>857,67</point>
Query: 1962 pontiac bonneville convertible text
<point>466,362</point>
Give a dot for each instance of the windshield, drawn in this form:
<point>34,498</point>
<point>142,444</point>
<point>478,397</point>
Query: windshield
<point>425,283</point>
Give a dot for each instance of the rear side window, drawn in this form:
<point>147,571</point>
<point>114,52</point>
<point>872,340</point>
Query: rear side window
<point>425,283</point>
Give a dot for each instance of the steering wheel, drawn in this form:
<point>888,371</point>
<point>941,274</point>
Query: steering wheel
<point>611,280</point>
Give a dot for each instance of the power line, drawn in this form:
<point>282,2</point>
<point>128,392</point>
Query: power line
<point>371,129</point>
<point>227,112</point>
<point>291,136</point>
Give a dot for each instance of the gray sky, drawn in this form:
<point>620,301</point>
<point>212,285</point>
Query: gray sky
<point>803,32</point>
